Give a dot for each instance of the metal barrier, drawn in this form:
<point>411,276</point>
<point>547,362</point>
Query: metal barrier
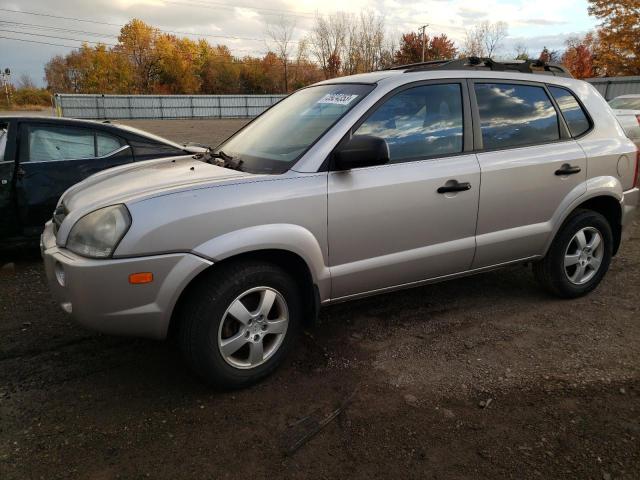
<point>162,106</point>
<point>612,87</point>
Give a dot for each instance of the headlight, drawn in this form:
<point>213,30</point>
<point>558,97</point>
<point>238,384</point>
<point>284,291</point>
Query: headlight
<point>98,233</point>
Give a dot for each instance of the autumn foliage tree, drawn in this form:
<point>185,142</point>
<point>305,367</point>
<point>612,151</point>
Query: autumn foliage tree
<point>146,60</point>
<point>436,48</point>
<point>618,46</point>
<point>578,57</point>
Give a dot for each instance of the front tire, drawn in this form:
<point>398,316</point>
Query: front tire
<point>238,323</point>
<point>579,256</point>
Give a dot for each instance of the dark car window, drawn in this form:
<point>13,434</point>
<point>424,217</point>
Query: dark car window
<point>574,115</point>
<point>513,115</point>
<point>4,134</point>
<point>50,144</point>
<point>419,122</point>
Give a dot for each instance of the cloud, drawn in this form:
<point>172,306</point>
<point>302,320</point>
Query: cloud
<point>241,24</point>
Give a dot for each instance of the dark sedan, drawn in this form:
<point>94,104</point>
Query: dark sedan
<point>41,157</point>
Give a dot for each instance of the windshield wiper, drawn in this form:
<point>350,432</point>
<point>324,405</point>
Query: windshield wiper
<point>221,159</point>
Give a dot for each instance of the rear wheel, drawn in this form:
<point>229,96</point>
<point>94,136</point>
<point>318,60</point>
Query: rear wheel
<point>239,322</point>
<point>579,256</point>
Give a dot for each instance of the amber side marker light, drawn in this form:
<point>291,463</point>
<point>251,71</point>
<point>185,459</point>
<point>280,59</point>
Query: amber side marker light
<point>141,277</point>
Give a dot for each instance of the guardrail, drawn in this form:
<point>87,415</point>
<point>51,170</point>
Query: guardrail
<point>162,106</point>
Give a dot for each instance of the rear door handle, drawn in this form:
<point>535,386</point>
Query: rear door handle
<point>455,187</point>
<point>567,169</point>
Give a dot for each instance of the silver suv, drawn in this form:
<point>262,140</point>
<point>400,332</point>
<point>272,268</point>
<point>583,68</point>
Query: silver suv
<point>348,188</point>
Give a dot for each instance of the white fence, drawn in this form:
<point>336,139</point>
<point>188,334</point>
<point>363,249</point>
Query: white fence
<point>162,106</point>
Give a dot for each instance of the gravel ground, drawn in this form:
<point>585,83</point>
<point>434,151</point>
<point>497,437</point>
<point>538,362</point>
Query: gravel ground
<point>207,132</point>
<point>483,377</point>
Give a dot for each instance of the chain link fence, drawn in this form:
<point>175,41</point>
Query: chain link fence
<point>162,106</point>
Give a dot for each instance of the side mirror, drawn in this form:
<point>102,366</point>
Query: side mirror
<point>361,151</point>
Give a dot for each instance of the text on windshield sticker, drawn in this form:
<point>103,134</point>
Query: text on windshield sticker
<point>338,98</point>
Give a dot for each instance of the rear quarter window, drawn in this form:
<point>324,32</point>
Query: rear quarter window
<point>576,118</point>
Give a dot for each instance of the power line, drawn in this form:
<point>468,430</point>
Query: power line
<point>43,27</point>
<point>36,41</point>
<point>58,38</point>
<point>236,61</point>
<point>97,22</point>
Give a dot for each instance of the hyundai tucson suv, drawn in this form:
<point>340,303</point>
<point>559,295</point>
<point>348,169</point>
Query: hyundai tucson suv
<point>350,187</point>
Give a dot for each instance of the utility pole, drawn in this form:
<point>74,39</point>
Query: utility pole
<point>423,28</point>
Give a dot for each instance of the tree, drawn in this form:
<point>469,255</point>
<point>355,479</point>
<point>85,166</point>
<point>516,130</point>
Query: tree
<point>25,82</point>
<point>147,61</point>
<point>521,52</point>
<point>177,65</point>
<point>549,56</point>
<point>137,40</point>
<point>219,72</point>
<point>436,48</point>
<point>485,39</point>
<point>364,48</point>
<point>578,57</point>
<point>280,35</point>
<point>327,42</point>
<point>618,51</point>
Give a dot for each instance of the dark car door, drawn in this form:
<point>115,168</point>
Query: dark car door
<point>8,217</point>
<point>53,157</point>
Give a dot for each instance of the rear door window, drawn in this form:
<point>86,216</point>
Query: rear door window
<point>573,114</point>
<point>50,144</point>
<point>513,115</point>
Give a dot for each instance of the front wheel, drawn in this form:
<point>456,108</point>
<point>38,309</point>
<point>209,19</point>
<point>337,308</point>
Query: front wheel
<point>239,322</point>
<point>579,256</point>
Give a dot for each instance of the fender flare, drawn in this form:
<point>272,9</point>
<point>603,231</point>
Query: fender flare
<point>604,186</point>
<point>278,236</point>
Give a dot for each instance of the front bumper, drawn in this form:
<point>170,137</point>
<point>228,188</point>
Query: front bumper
<point>98,295</point>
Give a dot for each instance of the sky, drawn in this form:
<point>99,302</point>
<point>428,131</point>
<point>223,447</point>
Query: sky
<point>241,24</point>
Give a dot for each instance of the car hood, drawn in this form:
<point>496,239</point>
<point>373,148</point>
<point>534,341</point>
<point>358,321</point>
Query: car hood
<point>144,179</point>
<point>626,112</point>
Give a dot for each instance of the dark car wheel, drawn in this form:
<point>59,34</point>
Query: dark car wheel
<point>239,322</point>
<point>579,256</point>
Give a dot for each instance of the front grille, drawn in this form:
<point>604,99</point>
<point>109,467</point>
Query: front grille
<point>58,216</point>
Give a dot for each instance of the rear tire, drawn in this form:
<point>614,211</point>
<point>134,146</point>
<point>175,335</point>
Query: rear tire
<point>579,256</point>
<point>239,322</point>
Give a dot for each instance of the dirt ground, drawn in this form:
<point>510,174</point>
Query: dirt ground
<point>484,377</point>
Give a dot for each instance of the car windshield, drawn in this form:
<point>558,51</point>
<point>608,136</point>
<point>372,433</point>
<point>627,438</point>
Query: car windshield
<point>628,103</point>
<point>275,140</point>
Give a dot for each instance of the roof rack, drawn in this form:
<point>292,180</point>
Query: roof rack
<point>477,63</point>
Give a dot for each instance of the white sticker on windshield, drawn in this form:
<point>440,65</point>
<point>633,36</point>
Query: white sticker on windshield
<point>338,98</point>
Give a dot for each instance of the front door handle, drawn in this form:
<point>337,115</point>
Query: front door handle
<point>20,173</point>
<point>567,169</point>
<point>455,187</point>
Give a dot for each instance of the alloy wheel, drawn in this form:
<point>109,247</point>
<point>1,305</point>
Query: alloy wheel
<point>253,327</point>
<point>584,255</point>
